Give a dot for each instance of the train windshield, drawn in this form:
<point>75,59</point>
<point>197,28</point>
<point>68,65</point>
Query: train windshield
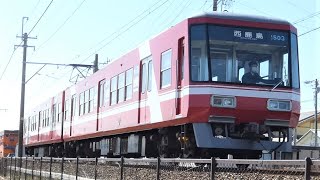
<point>243,56</point>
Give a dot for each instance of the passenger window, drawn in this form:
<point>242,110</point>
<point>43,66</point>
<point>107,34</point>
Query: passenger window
<point>150,75</point>
<point>121,84</point>
<point>129,84</point>
<point>166,68</point>
<point>144,78</point>
<point>114,90</point>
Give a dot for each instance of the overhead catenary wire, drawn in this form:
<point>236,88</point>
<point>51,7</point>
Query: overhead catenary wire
<point>10,59</point>
<point>134,22</point>
<point>5,69</point>
<point>44,12</point>
<point>117,31</point>
<point>179,13</point>
<point>307,17</point>
<point>128,28</point>
<point>314,29</point>
<point>60,27</point>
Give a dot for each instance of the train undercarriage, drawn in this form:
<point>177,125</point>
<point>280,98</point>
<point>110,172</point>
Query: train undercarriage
<point>202,140</point>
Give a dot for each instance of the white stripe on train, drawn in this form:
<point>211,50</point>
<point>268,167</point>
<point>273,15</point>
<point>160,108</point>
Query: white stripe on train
<point>189,90</point>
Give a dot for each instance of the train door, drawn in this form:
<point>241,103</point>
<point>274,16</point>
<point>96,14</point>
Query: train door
<point>145,90</point>
<point>103,100</point>
<point>180,64</point>
<point>53,120</point>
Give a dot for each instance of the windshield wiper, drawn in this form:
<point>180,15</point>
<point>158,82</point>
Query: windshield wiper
<point>274,87</point>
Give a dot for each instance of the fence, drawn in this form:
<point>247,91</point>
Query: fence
<point>156,168</point>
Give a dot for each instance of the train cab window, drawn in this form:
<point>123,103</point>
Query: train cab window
<point>243,55</point>
<point>114,90</point>
<point>129,78</point>
<point>220,66</point>
<point>199,57</point>
<point>165,72</point>
<point>294,61</point>
<point>121,85</point>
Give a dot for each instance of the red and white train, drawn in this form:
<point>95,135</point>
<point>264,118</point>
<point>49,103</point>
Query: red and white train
<point>181,94</point>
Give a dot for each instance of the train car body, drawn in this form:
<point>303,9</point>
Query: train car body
<point>184,94</point>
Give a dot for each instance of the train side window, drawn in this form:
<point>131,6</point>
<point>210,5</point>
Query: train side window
<point>129,84</point>
<point>54,111</point>
<point>114,90</point>
<point>44,118</point>
<point>166,68</point>
<point>144,78</point>
<point>66,110</point>
<point>107,92</point>
<point>73,105</point>
<point>150,69</point>
<point>86,101</point>
<point>59,112</point>
<point>48,117</point>
<point>81,103</point>
<point>101,92</point>
<point>121,84</point>
<point>91,101</point>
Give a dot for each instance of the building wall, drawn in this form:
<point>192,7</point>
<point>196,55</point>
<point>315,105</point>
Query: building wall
<point>8,142</point>
<point>303,154</point>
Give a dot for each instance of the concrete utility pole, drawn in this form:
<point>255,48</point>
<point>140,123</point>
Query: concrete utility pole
<point>223,4</point>
<point>316,113</point>
<point>316,91</point>
<point>215,5</point>
<point>24,37</point>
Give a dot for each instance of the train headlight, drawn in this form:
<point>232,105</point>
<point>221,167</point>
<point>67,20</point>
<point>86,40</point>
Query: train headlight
<point>223,101</point>
<point>279,105</point>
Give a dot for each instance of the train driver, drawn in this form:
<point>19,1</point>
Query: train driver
<point>252,77</point>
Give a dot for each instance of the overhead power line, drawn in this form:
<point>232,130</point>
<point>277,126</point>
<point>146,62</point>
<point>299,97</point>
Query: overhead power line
<point>5,69</point>
<point>179,13</point>
<point>40,17</point>
<point>309,31</point>
<point>307,17</point>
<point>128,28</point>
<point>64,23</point>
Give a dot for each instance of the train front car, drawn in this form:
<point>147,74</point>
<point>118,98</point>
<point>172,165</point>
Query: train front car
<point>244,95</point>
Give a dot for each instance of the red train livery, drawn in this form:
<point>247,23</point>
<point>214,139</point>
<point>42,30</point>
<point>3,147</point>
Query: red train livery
<point>212,85</point>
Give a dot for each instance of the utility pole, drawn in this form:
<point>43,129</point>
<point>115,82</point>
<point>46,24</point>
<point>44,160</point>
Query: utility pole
<point>95,64</point>
<point>316,91</point>
<point>223,4</point>
<point>24,37</point>
<point>316,113</point>
<point>215,5</point>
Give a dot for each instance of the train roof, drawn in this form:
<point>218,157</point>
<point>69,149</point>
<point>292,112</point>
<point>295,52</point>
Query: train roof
<point>241,17</point>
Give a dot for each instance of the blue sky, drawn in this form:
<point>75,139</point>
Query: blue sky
<point>72,31</point>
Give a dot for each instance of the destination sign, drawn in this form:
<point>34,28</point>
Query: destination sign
<point>248,35</point>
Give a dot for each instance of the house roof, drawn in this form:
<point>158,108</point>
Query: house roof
<point>306,116</point>
<point>310,132</point>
